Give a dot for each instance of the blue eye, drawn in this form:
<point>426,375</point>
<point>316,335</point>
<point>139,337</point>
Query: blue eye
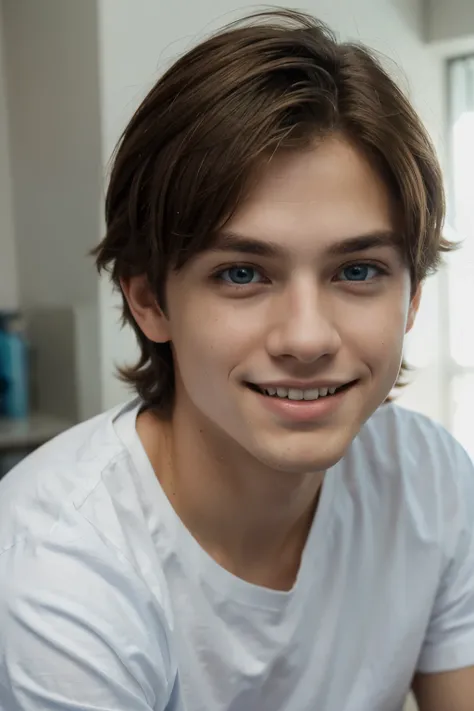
<point>241,275</point>
<point>359,272</point>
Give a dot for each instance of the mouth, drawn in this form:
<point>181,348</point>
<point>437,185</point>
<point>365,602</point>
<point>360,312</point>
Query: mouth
<point>298,395</point>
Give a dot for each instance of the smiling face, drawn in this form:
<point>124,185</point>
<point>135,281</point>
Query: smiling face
<point>305,291</point>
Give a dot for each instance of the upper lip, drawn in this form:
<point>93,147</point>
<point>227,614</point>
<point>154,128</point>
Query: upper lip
<point>303,385</point>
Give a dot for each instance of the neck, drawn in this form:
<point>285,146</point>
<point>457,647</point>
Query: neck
<point>252,520</point>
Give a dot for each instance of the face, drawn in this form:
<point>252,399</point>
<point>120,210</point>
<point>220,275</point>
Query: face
<point>288,334</point>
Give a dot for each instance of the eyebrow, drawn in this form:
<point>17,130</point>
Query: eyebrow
<point>233,242</point>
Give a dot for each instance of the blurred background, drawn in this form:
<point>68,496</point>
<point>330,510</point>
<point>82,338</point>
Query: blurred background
<point>71,74</point>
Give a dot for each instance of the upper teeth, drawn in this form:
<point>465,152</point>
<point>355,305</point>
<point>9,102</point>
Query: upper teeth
<point>296,394</point>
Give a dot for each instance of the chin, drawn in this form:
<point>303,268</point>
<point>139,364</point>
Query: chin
<point>302,452</point>
<point>309,457</point>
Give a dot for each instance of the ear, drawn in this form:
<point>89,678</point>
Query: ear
<point>413,308</point>
<point>148,315</point>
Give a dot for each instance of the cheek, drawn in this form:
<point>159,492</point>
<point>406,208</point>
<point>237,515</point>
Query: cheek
<point>377,332</point>
<point>209,343</point>
<point>206,351</point>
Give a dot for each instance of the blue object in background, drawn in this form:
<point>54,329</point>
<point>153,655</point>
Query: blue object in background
<point>14,386</point>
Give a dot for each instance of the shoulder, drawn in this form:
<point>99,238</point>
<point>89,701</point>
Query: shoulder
<point>50,484</point>
<point>77,617</point>
<point>417,466</point>
<point>73,592</point>
<point>404,440</point>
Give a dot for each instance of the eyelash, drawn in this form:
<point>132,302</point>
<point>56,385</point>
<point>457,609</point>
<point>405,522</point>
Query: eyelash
<point>217,276</point>
<point>381,271</point>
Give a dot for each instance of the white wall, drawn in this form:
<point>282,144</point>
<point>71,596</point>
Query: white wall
<point>51,66</point>
<point>8,274</point>
<point>51,52</point>
<point>137,41</point>
<point>449,20</point>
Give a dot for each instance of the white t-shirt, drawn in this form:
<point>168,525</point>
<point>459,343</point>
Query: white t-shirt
<point>108,603</point>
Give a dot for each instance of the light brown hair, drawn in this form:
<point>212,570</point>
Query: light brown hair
<point>272,81</point>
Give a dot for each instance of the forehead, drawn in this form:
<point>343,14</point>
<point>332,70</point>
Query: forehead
<point>315,197</point>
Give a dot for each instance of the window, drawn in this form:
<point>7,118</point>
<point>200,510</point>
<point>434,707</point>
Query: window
<point>460,272</point>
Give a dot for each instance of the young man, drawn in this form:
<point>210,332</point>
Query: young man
<point>259,530</point>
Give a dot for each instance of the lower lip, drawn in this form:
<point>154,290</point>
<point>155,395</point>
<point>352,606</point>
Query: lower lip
<point>303,410</point>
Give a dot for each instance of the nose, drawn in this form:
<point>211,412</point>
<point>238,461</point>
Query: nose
<point>304,326</point>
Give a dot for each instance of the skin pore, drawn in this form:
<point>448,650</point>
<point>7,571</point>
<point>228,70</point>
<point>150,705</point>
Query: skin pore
<point>305,288</point>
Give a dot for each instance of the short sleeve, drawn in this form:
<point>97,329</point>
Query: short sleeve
<point>449,642</point>
<point>77,632</point>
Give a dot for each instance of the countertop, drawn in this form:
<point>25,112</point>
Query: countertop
<point>31,432</point>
